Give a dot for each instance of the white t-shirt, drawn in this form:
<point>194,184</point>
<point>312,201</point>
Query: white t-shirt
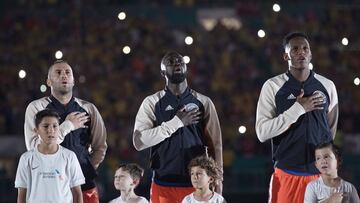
<point>49,177</point>
<point>216,198</point>
<point>317,191</point>
<point>119,200</point>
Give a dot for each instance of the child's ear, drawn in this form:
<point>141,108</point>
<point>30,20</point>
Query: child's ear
<point>136,182</point>
<point>286,56</point>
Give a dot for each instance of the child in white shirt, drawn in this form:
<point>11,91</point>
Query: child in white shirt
<point>329,187</point>
<point>49,172</point>
<point>127,178</point>
<point>204,175</point>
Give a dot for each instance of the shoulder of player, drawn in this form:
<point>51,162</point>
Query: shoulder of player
<point>154,98</point>
<point>277,80</point>
<point>82,102</point>
<point>275,83</point>
<point>205,100</point>
<point>86,105</point>
<point>40,103</point>
<point>323,79</point>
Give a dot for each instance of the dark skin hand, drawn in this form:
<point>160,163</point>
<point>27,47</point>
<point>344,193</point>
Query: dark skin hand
<point>189,117</point>
<point>310,103</point>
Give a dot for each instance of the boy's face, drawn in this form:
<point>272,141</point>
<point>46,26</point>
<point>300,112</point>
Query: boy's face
<point>326,162</point>
<point>123,181</point>
<point>48,130</point>
<point>199,178</point>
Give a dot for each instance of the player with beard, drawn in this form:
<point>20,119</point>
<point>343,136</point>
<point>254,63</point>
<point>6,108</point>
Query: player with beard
<point>82,129</point>
<point>177,124</point>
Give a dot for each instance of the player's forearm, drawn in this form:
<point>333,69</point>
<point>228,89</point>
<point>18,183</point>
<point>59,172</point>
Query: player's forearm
<point>219,162</point>
<point>99,146</point>
<point>219,157</point>
<point>65,128</point>
<point>98,156</point>
<point>268,127</point>
<point>332,117</point>
<point>146,138</point>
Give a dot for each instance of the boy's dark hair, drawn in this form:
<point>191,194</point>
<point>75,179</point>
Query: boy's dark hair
<point>334,148</point>
<point>135,171</point>
<point>45,113</point>
<point>292,35</point>
<point>209,165</point>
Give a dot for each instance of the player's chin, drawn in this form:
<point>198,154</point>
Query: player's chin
<point>52,142</point>
<point>49,142</point>
<point>301,66</point>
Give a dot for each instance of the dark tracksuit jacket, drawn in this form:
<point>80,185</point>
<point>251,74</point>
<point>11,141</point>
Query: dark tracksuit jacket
<point>173,145</point>
<point>80,140</point>
<point>294,133</point>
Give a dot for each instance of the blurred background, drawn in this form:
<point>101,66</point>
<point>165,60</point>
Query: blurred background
<point>231,47</point>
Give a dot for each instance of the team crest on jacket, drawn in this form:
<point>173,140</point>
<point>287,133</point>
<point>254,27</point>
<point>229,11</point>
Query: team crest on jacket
<point>191,106</point>
<point>322,94</point>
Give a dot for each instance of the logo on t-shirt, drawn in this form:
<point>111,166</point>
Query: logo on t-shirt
<point>48,175</point>
<point>59,174</point>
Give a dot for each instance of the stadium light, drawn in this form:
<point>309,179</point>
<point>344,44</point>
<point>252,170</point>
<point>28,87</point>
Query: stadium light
<point>276,8</point>
<point>261,33</point>
<point>122,16</point>
<point>58,54</point>
<point>43,88</point>
<point>188,40</point>
<point>357,81</point>
<point>209,24</point>
<point>186,59</point>
<point>242,129</point>
<point>126,50</point>
<point>22,74</point>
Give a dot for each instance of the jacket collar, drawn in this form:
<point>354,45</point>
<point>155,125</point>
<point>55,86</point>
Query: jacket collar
<point>182,96</point>
<point>58,103</point>
<point>293,80</point>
